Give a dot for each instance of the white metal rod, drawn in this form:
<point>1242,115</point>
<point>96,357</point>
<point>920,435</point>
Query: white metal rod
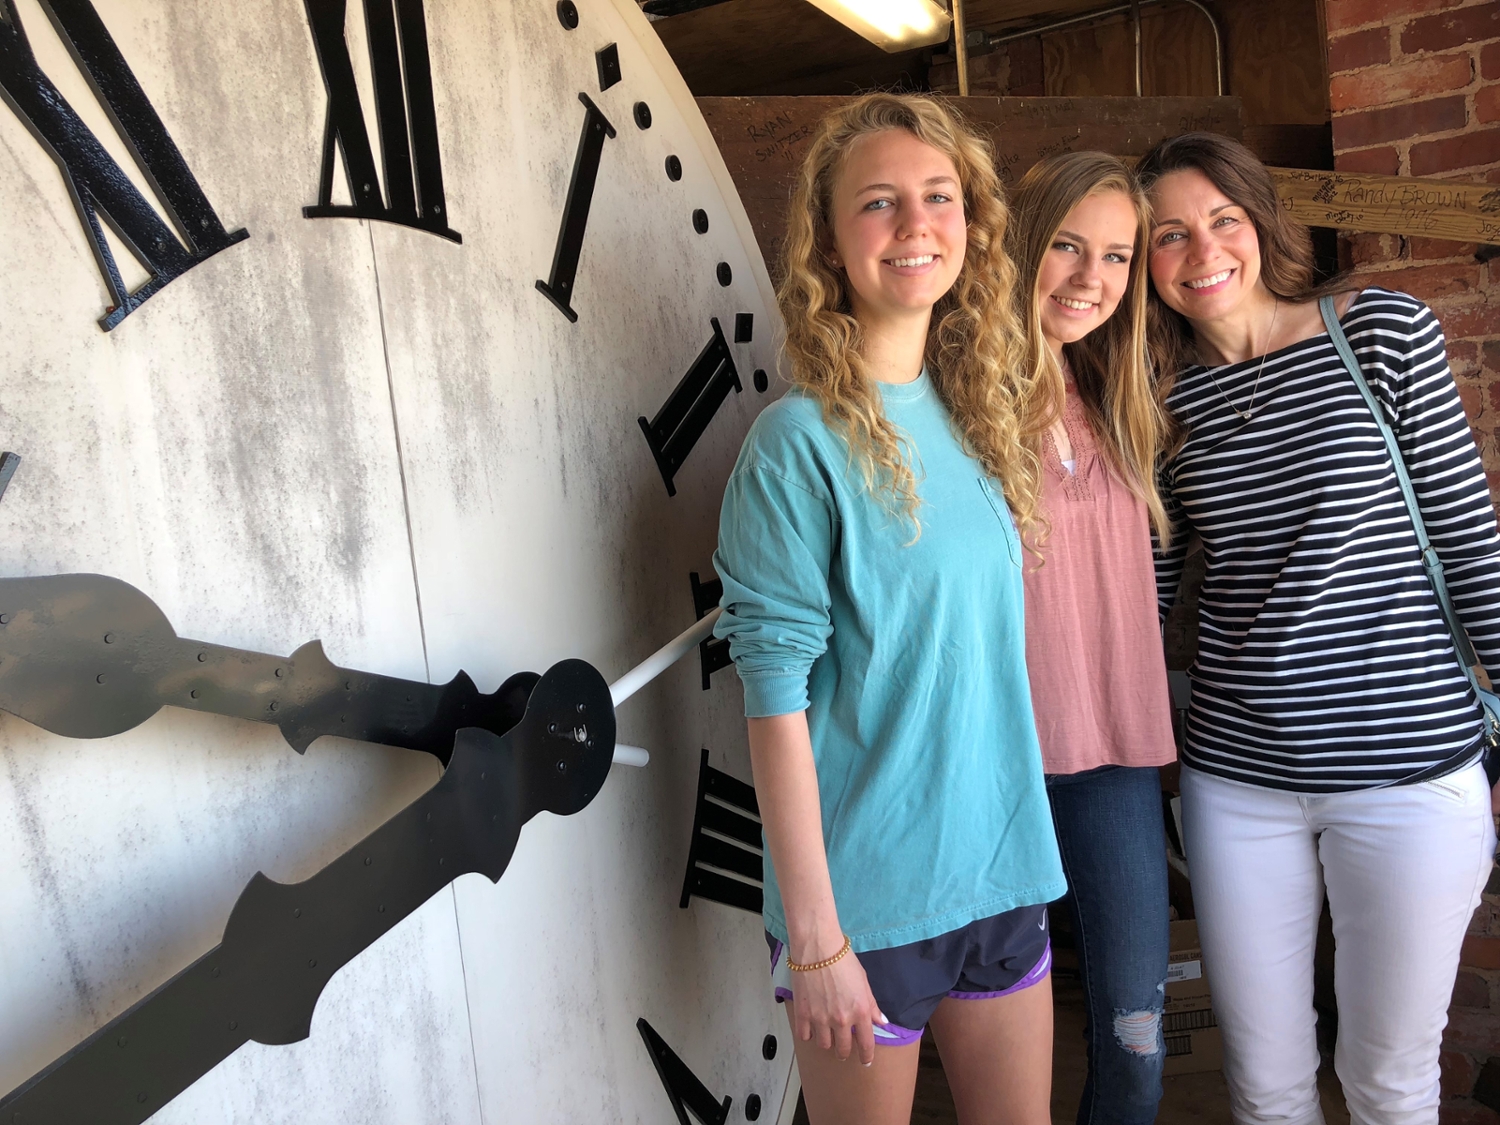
<point>663,658</point>
<point>631,755</point>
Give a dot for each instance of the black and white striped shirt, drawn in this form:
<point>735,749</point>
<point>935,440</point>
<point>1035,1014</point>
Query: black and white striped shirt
<point>1323,661</point>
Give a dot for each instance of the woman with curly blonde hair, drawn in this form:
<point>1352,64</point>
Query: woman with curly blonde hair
<point>873,604</point>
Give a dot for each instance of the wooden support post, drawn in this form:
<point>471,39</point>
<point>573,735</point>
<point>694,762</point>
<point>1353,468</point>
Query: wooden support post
<point>961,48</point>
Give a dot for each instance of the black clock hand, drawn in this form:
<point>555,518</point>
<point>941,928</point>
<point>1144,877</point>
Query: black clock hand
<point>86,656</point>
<point>283,942</point>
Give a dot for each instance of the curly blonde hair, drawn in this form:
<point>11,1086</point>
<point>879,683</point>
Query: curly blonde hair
<point>974,342</point>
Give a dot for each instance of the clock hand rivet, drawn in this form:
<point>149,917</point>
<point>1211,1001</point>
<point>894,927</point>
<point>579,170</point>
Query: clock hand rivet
<point>121,1041</point>
<point>99,679</point>
<point>214,972</point>
<point>202,656</point>
<point>381,908</point>
<point>312,962</point>
<point>194,693</point>
<point>274,705</point>
<point>278,673</point>
<point>562,767</point>
<point>109,638</point>
<point>582,707</point>
<point>141,1098</point>
<point>296,912</point>
<point>368,860</point>
<point>4,619</point>
<point>234,1025</point>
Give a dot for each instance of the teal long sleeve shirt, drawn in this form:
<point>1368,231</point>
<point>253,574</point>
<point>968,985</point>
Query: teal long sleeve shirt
<point>910,660</point>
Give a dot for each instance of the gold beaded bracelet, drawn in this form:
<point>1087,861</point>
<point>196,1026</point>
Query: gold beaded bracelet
<point>823,964</point>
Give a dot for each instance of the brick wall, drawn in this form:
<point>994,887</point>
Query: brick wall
<point>1414,86</point>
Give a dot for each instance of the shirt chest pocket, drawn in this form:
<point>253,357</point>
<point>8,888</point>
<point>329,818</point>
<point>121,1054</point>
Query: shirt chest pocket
<point>1001,511</point>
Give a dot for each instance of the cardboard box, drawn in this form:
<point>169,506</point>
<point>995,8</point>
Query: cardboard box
<point>1188,1025</point>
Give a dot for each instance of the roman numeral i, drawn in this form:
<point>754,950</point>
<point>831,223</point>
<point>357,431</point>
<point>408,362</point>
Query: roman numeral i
<point>402,69</point>
<point>101,191</point>
<point>558,288</point>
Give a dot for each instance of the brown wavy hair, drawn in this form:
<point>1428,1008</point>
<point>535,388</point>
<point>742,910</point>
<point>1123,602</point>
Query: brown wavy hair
<point>1286,249</point>
<point>1110,365</point>
<point>974,346</point>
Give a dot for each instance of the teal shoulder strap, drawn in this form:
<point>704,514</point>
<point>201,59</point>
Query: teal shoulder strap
<point>1430,561</point>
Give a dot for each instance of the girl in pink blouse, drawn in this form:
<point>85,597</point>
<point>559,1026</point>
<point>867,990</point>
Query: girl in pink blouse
<point>1093,644</point>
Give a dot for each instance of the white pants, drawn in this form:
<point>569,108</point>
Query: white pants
<point>1403,868</point>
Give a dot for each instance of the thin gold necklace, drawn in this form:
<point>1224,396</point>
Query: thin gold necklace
<point>1250,409</point>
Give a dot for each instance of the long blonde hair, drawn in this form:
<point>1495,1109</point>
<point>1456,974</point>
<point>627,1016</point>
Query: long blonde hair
<point>973,342</point>
<point>1110,365</point>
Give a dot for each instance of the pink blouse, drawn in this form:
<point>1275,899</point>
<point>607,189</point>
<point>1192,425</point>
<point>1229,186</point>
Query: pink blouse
<point>1093,644</point>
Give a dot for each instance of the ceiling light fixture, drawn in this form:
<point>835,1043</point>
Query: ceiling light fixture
<point>892,25</point>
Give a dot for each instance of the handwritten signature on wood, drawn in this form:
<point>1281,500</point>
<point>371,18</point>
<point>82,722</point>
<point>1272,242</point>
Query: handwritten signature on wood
<point>1392,204</point>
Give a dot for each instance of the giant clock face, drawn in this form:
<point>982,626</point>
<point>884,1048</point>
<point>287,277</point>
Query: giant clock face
<point>367,422</point>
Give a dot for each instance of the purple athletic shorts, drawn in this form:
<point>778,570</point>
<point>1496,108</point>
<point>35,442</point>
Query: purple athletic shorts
<point>991,957</point>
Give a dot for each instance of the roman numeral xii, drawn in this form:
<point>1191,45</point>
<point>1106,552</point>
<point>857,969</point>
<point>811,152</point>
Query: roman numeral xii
<point>402,69</point>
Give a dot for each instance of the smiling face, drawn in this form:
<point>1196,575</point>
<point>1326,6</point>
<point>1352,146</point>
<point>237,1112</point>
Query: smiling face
<point>1205,252</point>
<point>1086,270</point>
<point>898,226</point>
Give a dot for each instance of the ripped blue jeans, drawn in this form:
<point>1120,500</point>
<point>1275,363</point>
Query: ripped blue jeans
<point>1109,831</point>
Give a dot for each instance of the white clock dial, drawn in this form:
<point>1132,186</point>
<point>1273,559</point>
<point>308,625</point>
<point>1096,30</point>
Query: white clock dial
<point>375,434</point>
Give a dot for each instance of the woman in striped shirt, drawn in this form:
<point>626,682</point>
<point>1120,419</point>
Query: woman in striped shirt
<point>1333,741</point>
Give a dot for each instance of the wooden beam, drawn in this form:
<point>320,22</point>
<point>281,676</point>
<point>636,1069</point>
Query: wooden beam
<point>1462,212</point>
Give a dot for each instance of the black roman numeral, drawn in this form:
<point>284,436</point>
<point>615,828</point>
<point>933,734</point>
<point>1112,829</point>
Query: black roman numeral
<point>713,653</point>
<point>685,1090</point>
<point>397,31</point>
<point>100,189</point>
<point>558,288</point>
<point>726,836</point>
<point>691,407</point>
